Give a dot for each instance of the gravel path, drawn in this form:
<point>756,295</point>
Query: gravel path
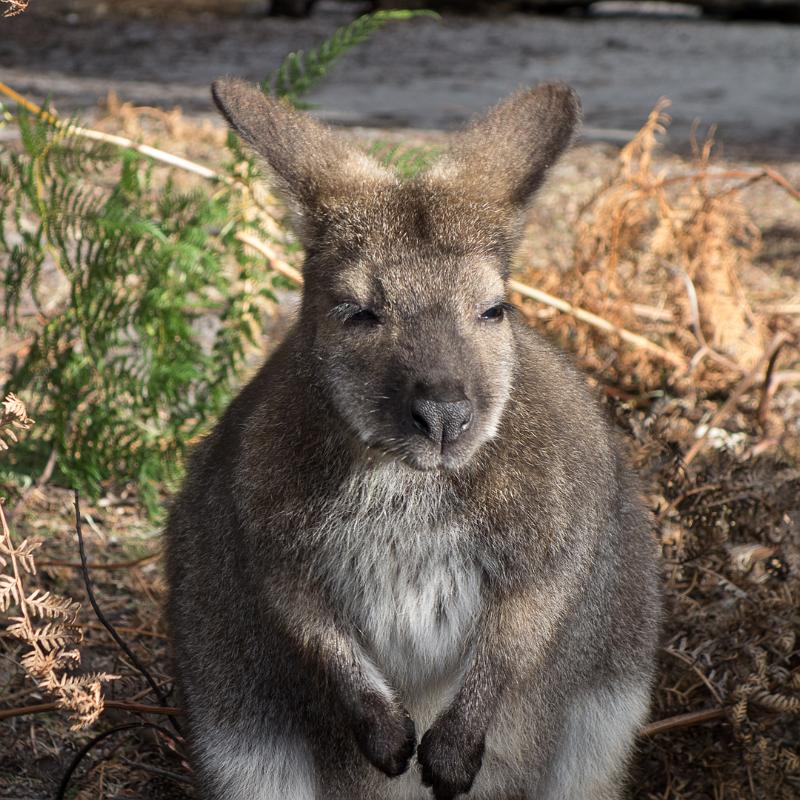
<point>426,74</point>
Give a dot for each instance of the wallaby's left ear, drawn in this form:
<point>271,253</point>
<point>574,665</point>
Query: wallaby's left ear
<point>505,155</point>
<point>313,166</point>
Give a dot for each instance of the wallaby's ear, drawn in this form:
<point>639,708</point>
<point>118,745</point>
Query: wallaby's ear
<point>504,156</point>
<point>313,165</point>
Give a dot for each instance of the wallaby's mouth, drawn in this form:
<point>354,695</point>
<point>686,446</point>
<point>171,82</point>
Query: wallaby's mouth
<point>422,456</point>
<point>434,463</point>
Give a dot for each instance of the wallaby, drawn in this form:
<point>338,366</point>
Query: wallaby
<point>412,553</point>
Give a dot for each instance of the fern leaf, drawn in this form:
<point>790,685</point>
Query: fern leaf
<point>300,71</point>
<point>87,679</point>
<point>8,592</point>
<point>408,162</point>
<point>47,605</point>
<point>42,666</point>
<point>24,552</point>
<point>49,637</point>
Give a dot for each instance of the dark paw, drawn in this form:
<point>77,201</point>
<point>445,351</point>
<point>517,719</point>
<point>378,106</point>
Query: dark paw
<point>386,736</point>
<point>450,759</point>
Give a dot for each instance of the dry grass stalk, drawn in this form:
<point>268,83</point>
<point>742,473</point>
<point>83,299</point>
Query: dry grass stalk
<point>47,622</point>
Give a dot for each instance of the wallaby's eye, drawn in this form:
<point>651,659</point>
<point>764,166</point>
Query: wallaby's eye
<point>494,313</point>
<point>355,314</point>
<point>363,315</point>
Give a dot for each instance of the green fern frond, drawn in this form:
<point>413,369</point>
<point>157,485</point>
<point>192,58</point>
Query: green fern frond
<point>301,71</point>
<point>408,162</point>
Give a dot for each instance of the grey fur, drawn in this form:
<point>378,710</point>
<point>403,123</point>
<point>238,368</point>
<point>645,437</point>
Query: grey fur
<point>348,571</point>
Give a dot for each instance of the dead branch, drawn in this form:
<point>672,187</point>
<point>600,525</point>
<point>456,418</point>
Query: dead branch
<point>598,322</point>
<point>121,141</point>
<point>121,705</point>
<point>730,404</point>
<point>275,261</point>
<point>136,562</point>
<point>688,720</point>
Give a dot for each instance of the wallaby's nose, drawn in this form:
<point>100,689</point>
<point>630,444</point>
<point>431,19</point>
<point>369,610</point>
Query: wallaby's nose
<point>442,421</point>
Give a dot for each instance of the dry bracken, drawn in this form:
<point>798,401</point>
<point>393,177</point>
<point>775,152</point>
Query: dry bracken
<point>52,659</point>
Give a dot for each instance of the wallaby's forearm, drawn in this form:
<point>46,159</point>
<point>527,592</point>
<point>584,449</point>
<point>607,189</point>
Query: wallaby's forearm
<point>515,633</point>
<point>382,727</point>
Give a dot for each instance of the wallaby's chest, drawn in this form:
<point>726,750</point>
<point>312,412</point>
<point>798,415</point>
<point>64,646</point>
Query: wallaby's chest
<point>416,608</point>
<point>404,576</point>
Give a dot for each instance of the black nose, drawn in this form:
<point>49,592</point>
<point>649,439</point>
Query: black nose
<point>442,421</point>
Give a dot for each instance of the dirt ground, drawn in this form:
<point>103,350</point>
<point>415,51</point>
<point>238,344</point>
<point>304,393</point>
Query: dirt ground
<point>729,525</point>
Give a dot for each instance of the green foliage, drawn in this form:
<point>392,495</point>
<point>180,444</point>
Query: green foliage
<point>300,71</point>
<point>149,310</point>
<point>406,161</point>
<point>135,301</point>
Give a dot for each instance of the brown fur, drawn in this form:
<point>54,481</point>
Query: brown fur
<point>414,519</point>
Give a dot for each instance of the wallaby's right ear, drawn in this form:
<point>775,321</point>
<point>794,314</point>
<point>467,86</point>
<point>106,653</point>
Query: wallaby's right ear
<point>505,155</point>
<point>314,166</point>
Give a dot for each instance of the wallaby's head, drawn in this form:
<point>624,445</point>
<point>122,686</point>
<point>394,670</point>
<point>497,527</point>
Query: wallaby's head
<point>404,309</point>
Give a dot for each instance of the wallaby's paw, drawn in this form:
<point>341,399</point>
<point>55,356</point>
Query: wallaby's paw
<point>387,737</point>
<point>450,758</point>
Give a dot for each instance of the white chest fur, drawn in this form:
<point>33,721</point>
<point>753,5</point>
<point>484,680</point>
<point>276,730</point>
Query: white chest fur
<point>398,566</point>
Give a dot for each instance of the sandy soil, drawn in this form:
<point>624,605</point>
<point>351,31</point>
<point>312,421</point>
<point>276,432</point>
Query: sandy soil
<point>745,77</point>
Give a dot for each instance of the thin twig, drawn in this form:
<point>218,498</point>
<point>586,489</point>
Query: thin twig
<point>120,705</point>
<point>697,327</point>
<point>730,404</point>
<point>748,175</point>
<point>692,664</point>
<point>781,181</point>
<point>136,562</point>
<point>688,720</point>
<point>109,627</point>
<point>768,389</point>
<point>119,141</point>
<point>92,743</point>
<point>598,322</point>
<point>276,263</point>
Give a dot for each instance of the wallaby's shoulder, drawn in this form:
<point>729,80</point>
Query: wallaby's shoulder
<point>263,415</point>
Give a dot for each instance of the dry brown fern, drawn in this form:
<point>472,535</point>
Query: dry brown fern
<point>45,622</point>
<point>14,7</point>
<point>672,242</point>
<point>13,415</point>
